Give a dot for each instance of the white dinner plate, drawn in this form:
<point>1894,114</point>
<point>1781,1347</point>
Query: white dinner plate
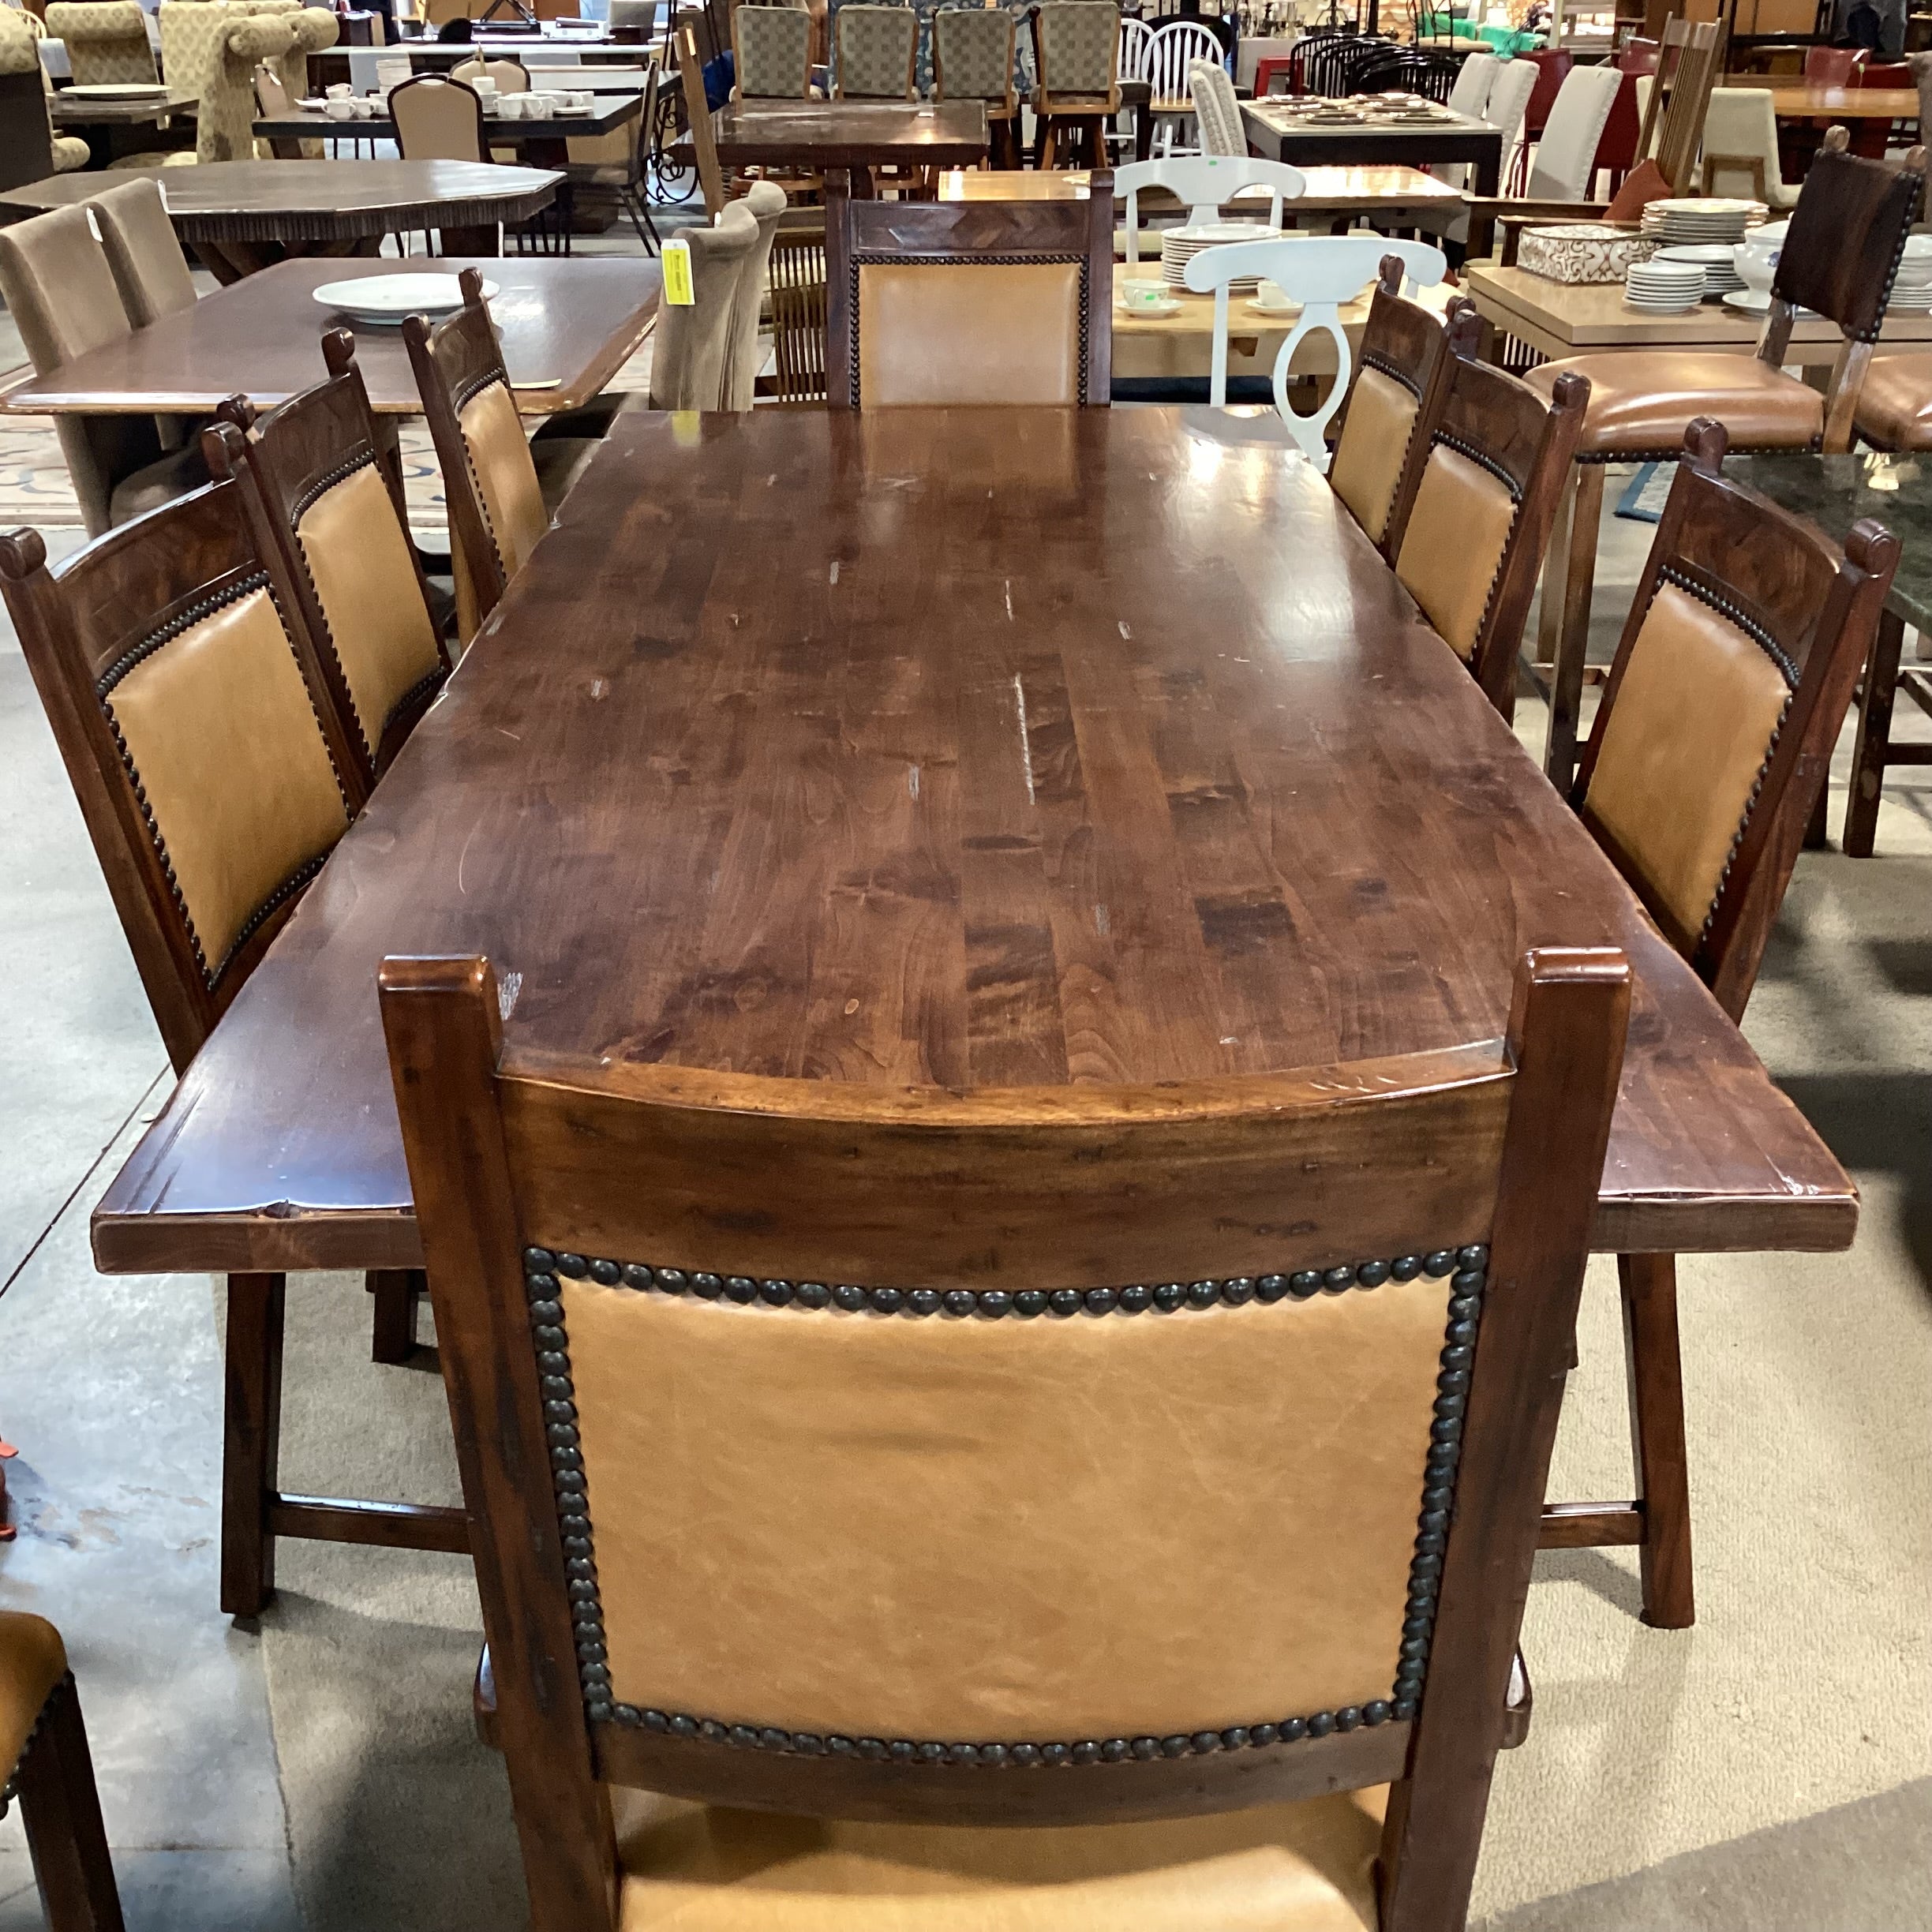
<point>116,90</point>
<point>389,299</point>
<point>1751,302</point>
<point>1170,307</point>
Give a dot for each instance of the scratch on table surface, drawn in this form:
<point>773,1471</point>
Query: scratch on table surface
<point>1103,923</point>
<point>600,687</point>
<point>513,736</point>
<point>912,780</point>
<point>1125,632</point>
<point>463,860</point>
<point>835,569</point>
<point>1026,748</point>
<point>508,988</point>
<point>1008,583</point>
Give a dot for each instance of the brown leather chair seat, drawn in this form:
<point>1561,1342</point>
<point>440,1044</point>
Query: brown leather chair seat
<point>1895,405</point>
<point>1641,403</point>
<point>1307,1867</point>
<point>32,1662</point>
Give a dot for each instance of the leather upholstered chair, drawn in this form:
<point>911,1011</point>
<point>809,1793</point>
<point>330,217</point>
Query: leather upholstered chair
<point>973,60</point>
<point>501,488</point>
<point>45,1768</point>
<point>1479,518</point>
<point>1839,257</point>
<point>194,724</point>
<point>1894,409</point>
<point>1077,59</point>
<point>1730,682</point>
<point>1400,373</point>
<point>940,303</point>
<point>771,53</point>
<point>898,1628</point>
<point>55,278</point>
<point>326,489</point>
<point>876,48</point>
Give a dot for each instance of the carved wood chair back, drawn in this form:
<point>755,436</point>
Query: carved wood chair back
<point>1384,1383</point>
<point>194,722</point>
<point>1689,63</point>
<point>968,301</point>
<point>1479,517</point>
<point>1749,617</point>
<point>329,495</point>
<point>489,479</point>
<point>1392,404</point>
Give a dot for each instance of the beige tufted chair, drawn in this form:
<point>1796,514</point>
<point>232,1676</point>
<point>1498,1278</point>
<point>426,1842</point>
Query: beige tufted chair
<point>106,40</point>
<point>46,1766</point>
<point>29,133</point>
<point>705,356</point>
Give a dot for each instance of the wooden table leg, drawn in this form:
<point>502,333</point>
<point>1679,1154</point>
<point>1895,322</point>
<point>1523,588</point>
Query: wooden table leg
<point>1874,736</point>
<point>483,240</point>
<point>396,1291</point>
<point>1649,1286</point>
<point>251,1439</point>
<point>1559,756</point>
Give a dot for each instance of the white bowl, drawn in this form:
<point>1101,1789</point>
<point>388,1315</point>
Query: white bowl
<point>1757,266</point>
<point>389,299</point>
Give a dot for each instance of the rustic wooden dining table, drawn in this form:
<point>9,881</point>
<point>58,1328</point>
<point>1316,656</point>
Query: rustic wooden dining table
<point>970,748</point>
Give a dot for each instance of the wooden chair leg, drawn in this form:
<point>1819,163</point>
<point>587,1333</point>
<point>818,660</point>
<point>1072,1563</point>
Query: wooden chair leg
<point>1874,736</point>
<point>61,1809</point>
<point>251,1440</point>
<point>1559,756</point>
<point>1650,1342</point>
<point>397,1291</point>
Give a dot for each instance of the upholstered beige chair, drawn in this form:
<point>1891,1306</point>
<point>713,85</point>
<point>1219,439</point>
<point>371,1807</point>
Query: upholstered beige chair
<point>56,279</point>
<point>973,60</point>
<point>1111,1509</point>
<point>1077,46</point>
<point>45,1766</point>
<point>875,49</point>
<point>29,148</point>
<point>211,47</point>
<point>106,40</point>
<point>705,354</point>
<point>439,119</point>
<point>501,488</point>
<point>771,48</point>
<point>144,252</point>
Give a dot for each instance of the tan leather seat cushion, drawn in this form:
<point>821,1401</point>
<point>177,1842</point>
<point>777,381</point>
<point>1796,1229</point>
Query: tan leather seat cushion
<point>966,332</point>
<point>1452,547</point>
<point>1368,461</point>
<point>358,560</point>
<point>32,1662</point>
<point>1681,750</point>
<point>1643,400</point>
<point>1306,1867</point>
<point>1895,405</point>
<point>223,735</point>
<point>505,475</point>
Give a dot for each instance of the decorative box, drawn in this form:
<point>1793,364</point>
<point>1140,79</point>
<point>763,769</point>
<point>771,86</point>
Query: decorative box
<point>1582,251</point>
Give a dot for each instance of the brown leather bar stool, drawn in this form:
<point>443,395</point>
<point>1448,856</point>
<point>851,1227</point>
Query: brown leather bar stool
<point>45,1766</point>
<point>1838,258</point>
<point>1730,684</point>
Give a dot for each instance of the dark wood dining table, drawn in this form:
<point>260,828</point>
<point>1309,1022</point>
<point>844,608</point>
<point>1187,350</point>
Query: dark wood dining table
<point>971,748</point>
<point>1277,132</point>
<point>539,144</point>
<point>857,135</point>
<point>239,216</point>
<point>567,323</point>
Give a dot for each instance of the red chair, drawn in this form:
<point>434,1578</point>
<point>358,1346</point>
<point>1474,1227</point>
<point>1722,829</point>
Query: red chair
<point>1616,146</point>
<point>1639,56</point>
<point>1551,69</point>
<point>1833,66</point>
<point>1873,138</point>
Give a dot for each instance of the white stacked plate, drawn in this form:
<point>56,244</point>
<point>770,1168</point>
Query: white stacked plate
<point>1664,287</point>
<point>1705,219</point>
<point>1179,246</point>
<point>389,299</point>
<point>1911,292</point>
<point>1720,266</point>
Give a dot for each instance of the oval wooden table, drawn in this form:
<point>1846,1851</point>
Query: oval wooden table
<point>973,748</point>
<point>239,216</point>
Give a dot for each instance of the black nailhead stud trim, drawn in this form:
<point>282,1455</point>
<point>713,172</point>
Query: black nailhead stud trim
<point>1024,1754</point>
<point>808,1742</point>
<point>1263,1735</point>
<point>1135,1300</point>
<point>1371,1274</point>
<point>1375,1714</point>
<point>925,1301</point>
<point>1235,1738</point>
<point>606,1274</point>
<point>1146,1748</point>
<point>1175,1746</point>
<point>848,1297</point>
<point>656,1721</point>
<point>813,1294</point>
<point>963,1754</point>
<point>840,1746</point>
<point>1348,1718</point>
<point>1337,1279</point>
<point>887,1301</point>
<point>637,1277</point>
<point>1054,1754</point>
<point>1116,1751</point>
<point>1270,1288</point>
<point>538,1261</point>
<point>1304,1282</point>
<point>1473,1257</point>
<point>1405,1268</point>
<point>1100,1300</point>
<point>741,1289</point>
<point>775,1740</point>
<point>1295,1730</point>
<point>959,1301</point>
<point>872,1747</point>
<point>1203,1294</point>
<point>995,1302</point>
<point>710,1286</point>
<point>743,1737</point>
<point>903,1750</point>
<point>1169,1296</point>
<point>932,1752</point>
<point>1321,1724</point>
<point>1066,1301</point>
<point>777,1293</point>
<point>711,1731</point>
<point>1238,1293</point>
<point>1403,1707</point>
<point>1207,1741</point>
<point>672,1280</point>
<point>574,1265</point>
<point>993,1753</point>
<point>1437,1265</point>
<point>540,1287</point>
<point>1030,1302</point>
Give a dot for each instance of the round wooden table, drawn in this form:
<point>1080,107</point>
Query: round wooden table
<point>239,216</point>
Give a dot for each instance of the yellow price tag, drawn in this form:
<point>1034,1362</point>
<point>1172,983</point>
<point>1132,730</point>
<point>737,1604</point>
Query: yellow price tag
<point>677,275</point>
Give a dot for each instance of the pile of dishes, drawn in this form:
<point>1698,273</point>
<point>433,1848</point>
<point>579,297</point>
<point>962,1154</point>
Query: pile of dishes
<point>1708,220</point>
<point>1179,246</point>
<point>1658,287</point>
<point>1912,291</point>
<point>1721,274</point>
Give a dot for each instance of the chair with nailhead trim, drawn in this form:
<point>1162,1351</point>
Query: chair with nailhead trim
<point>45,1766</point>
<point>193,717</point>
<point>894,1474</point>
<point>502,488</point>
<point>1840,256</point>
<point>1730,684</point>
